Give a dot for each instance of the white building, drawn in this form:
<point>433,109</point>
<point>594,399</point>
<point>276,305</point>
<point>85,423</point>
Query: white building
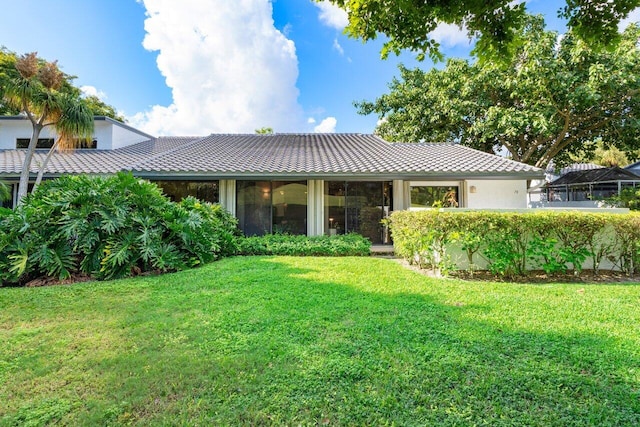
<point>310,184</point>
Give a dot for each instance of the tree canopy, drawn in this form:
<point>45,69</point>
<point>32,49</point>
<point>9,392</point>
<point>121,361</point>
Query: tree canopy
<point>38,89</point>
<point>408,23</point>
<point>9,73</point>
<point>547,102</point>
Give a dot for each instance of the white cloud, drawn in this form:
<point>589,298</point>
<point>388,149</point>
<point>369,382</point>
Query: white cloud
<point>229,68</point>
<point>311,120</point>
<point>92,91</point>
<point>332,16</point>
<point>328,125</point>
<point>337,47</point>
<point>634,16</point>
<point>450,35</point>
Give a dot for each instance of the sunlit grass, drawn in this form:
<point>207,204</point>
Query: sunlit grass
<point>355,341</point>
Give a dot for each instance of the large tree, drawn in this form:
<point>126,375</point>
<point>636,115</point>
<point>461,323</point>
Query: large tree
<point>551,99</point>
<point>408,23</point>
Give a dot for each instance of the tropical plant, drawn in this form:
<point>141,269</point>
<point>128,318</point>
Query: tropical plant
<point>40,90</point>
<point>107,228</point>
<point>4,192</point>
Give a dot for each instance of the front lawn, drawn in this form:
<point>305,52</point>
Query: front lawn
<point>319,341</point>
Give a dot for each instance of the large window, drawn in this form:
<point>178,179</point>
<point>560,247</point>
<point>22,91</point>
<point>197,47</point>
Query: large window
<point>429,196</point>
<point>358,207</point>
<point>265,207</point>
<point>46,143</point>
<point>207,191</point>
<point>41,144</point>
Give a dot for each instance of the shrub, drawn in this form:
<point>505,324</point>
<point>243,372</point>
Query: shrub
<point>283,244</point>
<point>512,243</point>
<point>109,228</point>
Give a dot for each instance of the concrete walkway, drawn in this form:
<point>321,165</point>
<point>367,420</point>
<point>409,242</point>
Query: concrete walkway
<point>381,249</point>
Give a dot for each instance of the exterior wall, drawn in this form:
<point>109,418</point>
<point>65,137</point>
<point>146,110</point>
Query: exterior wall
<point>103,133</point>
<point>10,130</point>
<point>495,194</point>
<point>509,194</point>
<point>109,135</point>
<point>122,137</point>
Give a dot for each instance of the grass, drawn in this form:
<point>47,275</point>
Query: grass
<point>319,341</point>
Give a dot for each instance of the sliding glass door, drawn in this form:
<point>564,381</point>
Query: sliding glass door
<point>358,207</point>
<point>265,207</point>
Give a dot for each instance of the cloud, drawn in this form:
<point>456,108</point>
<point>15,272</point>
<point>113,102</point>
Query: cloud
<point>92,91</point>
<point>328,125</point>
<point>311,120</point>
<point>450,35</point>
<point>634,16</point>
<point>332,16</point>
<point>337,47</point>
<point>228,67</point>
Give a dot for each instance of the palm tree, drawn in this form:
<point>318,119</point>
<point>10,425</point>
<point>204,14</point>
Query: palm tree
<point>42,92</point>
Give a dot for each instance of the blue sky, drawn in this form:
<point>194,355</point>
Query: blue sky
<point>196,67</point>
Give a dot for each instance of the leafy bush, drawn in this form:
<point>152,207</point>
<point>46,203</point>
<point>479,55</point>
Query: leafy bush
<point>283,244</point>
<point>628,198</point>
<point>513,243</point>
<point>109,228</point>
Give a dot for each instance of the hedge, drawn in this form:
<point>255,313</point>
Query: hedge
<point>510,244</point>
<point>282,244</point>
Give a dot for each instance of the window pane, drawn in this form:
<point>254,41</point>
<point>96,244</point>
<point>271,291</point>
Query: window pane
<point>207,191</point>
<point>289,207</point>
<point>434,196</point>
<point>334,207</point>
<point>254,207</point>
<point>358,207</point>
<point>43,143</point>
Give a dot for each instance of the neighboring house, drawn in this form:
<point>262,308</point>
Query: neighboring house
<point>109,134</point>
<point>634,168</point>
<point>538,188</point>
<point>310,184</point>
<point>591,185</point>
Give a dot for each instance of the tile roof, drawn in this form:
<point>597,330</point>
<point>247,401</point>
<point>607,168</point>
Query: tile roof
<point>312,155</point>
<point>596,175</point>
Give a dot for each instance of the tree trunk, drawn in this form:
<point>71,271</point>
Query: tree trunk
<point>43,167</point>
<point>26,165</point>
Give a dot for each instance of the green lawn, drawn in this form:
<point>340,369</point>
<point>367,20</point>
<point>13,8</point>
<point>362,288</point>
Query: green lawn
<point>317,341</point>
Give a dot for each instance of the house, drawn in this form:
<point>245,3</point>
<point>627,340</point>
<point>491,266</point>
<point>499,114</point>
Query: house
<point>634,168</point>
<point>591,185</point>
<point>310,184</point>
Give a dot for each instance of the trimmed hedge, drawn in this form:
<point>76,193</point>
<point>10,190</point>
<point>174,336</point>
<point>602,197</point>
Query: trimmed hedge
<point>510,244</point>
<point>283,244</point>
<point>108,228</point>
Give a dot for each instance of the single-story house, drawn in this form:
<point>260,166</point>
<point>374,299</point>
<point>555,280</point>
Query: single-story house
<point>310,184</point>
<point>591,184</point>
<point>634,168</point>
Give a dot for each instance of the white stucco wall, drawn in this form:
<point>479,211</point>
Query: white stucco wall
<point>10,130</point>
<point>109,135</point>
<point>496,194</point>
<point>123,137</point>
<point>102,132</point>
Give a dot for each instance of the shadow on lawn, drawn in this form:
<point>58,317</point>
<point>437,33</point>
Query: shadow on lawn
<point>270,341</point>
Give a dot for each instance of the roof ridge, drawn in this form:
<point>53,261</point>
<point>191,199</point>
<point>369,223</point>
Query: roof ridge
<point>163,153</point>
